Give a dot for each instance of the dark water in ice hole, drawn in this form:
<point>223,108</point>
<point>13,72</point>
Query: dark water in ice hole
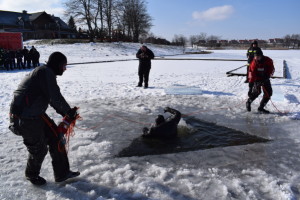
<point>201,135</point>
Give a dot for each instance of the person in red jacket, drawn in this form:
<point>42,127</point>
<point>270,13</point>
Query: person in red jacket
<point>260,71</point>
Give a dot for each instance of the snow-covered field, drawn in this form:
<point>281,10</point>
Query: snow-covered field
<point>114,111</point>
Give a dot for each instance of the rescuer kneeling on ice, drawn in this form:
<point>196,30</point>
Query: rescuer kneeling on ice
<point>164,128</point>
<point>28,118</point>
<point>260,71</point>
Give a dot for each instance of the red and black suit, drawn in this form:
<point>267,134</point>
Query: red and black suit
<point>260,72</point>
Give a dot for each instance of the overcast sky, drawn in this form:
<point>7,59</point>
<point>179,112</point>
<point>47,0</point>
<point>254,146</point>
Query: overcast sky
<point>228,19</point>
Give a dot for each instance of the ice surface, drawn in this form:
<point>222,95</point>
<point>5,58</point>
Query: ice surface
<point>183,90</point>
<point>114,112</point>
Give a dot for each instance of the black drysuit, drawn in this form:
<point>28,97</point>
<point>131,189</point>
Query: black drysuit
<point>31,99</point>
<point>167,129</point>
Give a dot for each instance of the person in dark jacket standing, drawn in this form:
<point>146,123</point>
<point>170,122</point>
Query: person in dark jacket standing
<point>6,60</point>
<point>144,55</point>
<point>30,102</point>
<point>250,55</point>
<point>12,58</point>
<point>260,71</point>
<point>164,128</point>
<point>25,53</point>
<point>35,58</point>
<point>19,57</point>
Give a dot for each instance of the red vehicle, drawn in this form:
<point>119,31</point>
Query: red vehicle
<point>11,41</point>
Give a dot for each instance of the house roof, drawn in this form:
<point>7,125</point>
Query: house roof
<point>34,16</point>
<point>61,22</point>
<point>11,18</point>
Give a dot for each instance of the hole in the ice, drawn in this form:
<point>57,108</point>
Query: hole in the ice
<point>195,135</point>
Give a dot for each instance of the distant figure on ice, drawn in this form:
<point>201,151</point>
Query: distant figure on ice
<point>30,101</point>
<point>144,55</point>
<point>164,128</point>
<point>260,71</point>
<point>250,55</point>
<point>19,57</point>
<point>25,53</point>
<point>35,58</point>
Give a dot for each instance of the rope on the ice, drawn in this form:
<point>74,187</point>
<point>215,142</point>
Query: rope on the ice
<point>266,92</point>
<point>101,61</point>
<point>157,58</point>
<point>222,108</point>
<point>112,116</point>
<point>205,59</point>
<point>96,126</point>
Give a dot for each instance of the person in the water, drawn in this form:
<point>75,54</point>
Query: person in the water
<point>164,128</point>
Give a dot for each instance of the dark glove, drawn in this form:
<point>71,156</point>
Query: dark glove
<point>266,77</point>
<point>142,55</point>
<point>145,130</point>
<point>166,109</point>
<point>259,83</point>
<point>72,113</point>
<point>14,125</point>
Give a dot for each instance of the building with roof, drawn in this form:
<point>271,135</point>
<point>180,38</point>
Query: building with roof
<point>38,25</point>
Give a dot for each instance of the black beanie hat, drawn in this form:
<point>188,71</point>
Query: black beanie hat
<point>258,52</point>
<point>159,119</point>
<point>56,61</point>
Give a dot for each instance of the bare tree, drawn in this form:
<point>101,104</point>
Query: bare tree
<point>202,36</point>
<point>108,12</point>
<point>287,41</point>
<point>179,40</point>
<point>100,9</point>
<point>114,16</point>
<point>193,39</point>
<point>86,12</point>
<point>135,19</point>
<point>295,38</point>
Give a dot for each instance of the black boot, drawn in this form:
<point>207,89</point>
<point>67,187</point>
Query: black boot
<point>263,103</point>
<point>248,105</point>
<point>37,180</point>
<point>70,174</point>
<point>262,110</point>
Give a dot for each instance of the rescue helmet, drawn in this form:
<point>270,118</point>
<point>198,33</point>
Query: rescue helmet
<point>159,119</point>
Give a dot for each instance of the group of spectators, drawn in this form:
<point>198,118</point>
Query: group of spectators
<point>19,59</point>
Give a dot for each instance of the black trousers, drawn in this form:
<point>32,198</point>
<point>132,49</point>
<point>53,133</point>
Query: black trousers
<point>144,76</point>
<point>39,138</point>
<point>257,88</point>
<point>250,89</point>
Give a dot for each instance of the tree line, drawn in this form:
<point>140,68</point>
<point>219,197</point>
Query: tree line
<point>290,41</point>
<point>125,20</point>
<point>128,20</point>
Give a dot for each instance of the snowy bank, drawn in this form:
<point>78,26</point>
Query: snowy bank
<point>114,111</point>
